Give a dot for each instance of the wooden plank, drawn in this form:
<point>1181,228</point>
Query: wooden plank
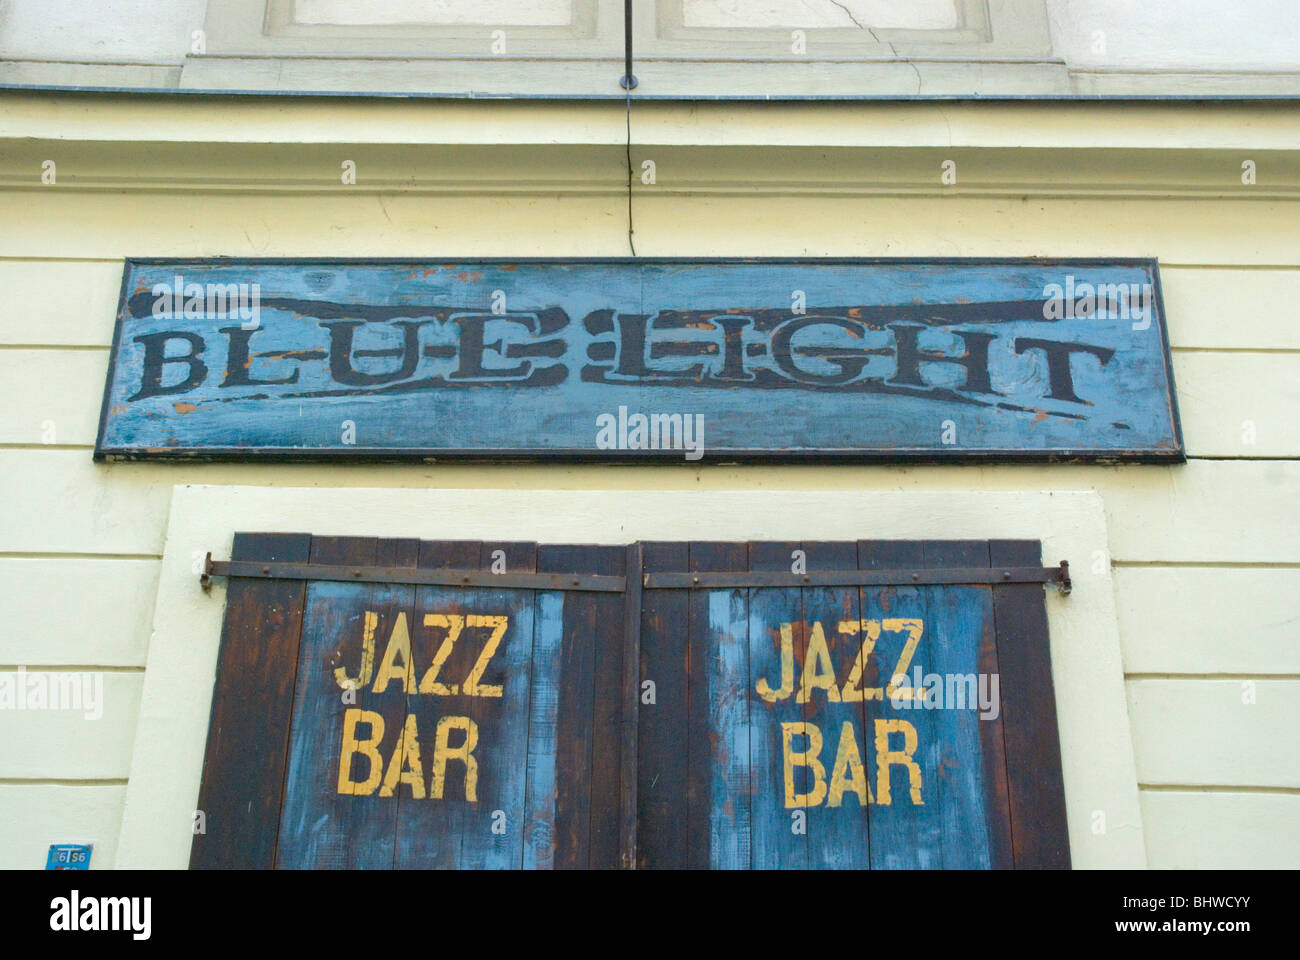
<point>607,610</point>
<point>838,824</point>
<point>543,726</point>
<point>1034,784</point>
<point>992,737</point>
<point>335,815</point>
<point>661,735</point>
<point>248,732</point>
<point>1215,732</point>
<point>631,698</point>
<point>906,830</point>
<point>717,722</point>
<point>573,760</point>
<point>429,830</point>
<point>492,834</point>
<point>960,626</point>
<point>389,602</point>
<point>777,643</point>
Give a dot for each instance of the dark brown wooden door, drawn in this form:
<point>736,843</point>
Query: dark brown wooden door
<point>570,706</point>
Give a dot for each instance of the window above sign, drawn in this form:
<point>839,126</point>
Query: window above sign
<point>576,46</point>
<point>694,49</point>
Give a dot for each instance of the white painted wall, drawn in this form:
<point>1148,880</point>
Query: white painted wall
<point>1188,34</point>
<point>1112,46</point>
<point>105,31</point>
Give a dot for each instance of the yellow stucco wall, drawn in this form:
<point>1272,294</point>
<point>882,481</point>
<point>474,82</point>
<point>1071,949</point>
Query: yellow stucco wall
<point>1204,557</point>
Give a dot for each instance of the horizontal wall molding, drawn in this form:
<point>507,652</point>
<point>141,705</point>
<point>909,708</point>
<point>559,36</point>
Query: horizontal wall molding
<point>1101,172</point>
<point>78,116</point>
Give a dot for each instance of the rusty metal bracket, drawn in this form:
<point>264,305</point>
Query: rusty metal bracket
<point>413,575</point>
<point>1059,575</point>
<point>673,580</point>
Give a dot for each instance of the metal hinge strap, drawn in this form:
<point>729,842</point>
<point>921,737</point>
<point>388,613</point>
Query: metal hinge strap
<point>702,580</point>
<point>441,578</point>
<point>698,580</point>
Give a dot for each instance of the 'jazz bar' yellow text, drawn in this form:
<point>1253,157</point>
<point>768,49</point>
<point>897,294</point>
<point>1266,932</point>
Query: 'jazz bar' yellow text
<point>848,772</point>
<point>404,766</point>
<point>397,665</point>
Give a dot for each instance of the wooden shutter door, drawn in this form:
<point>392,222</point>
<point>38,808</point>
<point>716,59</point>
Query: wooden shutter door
<point>382,723</point>
<point>403,703</point>
<point>779,738</point>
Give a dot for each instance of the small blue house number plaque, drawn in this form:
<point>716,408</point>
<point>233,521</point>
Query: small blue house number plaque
<point>69,856</point>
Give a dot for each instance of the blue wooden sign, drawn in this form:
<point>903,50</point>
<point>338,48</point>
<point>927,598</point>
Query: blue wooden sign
<point>627,359</point>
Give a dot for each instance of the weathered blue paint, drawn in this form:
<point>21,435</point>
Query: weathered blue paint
<point>515,758</point>
<point>729,706</point>
<point>775,843</point>
<point>319,828</point>
<point>959,618</point>
<point>856,359</point>
<point>543,723</point>
<point>904,835</point>
<point>751,823</point>
<point>838,837</point>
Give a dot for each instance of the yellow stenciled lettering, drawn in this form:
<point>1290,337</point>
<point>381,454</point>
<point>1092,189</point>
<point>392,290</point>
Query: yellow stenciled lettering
<point>368,748</point>
<point>443,751</point>
<point>885,757</point>
<point>852,692</point>
<point>453,623</point>
<point>787,669</point>
<point>370,622</point>
<point>894,690</point>
<point>399,644</point>
<point>404,766</point>
<point>472,686</point>
<point>806,758</point>
<point>818,671</point>
<point>848,775</point>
